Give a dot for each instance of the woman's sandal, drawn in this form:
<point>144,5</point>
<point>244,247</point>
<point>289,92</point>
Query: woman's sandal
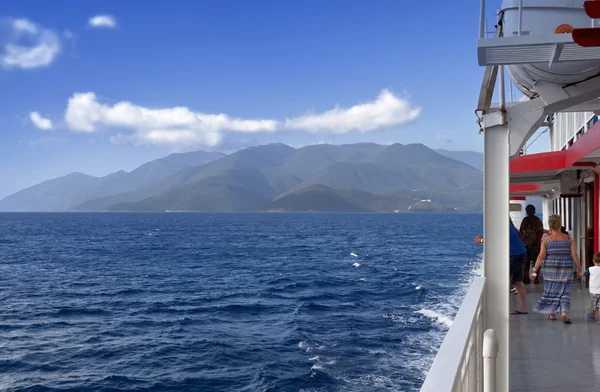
<point>566,319</point>
<point>551,318</point>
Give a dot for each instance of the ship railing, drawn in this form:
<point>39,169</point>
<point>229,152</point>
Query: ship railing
<point>466,359</point>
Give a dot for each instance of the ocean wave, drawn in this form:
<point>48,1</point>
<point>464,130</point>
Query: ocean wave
<point>441,319</point>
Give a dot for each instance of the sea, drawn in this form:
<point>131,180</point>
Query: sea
<point>229,302</point>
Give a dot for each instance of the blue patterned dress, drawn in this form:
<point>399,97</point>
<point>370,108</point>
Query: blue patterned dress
<point>558,278</point>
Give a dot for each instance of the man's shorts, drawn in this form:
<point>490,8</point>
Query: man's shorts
<point>517,267</point>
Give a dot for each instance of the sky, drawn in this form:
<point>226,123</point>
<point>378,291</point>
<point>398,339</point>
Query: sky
<point>100,86</point>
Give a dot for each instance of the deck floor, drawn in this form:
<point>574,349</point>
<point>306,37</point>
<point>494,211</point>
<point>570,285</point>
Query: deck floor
<point>551,356</point>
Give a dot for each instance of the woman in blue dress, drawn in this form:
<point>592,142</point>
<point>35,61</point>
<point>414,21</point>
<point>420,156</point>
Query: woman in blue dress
<point>558,254</point>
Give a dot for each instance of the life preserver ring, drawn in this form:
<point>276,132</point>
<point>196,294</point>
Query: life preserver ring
<point>564,29</point>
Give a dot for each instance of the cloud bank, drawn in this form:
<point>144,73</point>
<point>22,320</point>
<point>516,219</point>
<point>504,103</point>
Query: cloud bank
<point>180,126</point>
<point>40,122</point>
<point>29,46</point>
<point>102,21</point>
<point>386,111</point>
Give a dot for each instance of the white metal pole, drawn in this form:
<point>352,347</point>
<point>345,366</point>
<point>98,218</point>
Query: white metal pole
<point>546,211</point>
<point>496,250</point>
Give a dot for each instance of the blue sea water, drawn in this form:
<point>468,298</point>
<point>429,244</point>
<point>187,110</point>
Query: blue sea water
<point>228,302</point>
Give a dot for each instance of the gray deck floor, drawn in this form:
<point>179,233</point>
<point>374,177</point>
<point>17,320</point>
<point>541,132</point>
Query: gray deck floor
<point>551,356</point>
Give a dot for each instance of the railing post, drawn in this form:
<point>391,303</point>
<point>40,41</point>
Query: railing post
<point>496,246</point>
<point>473,358</point>
<point>490,352</point>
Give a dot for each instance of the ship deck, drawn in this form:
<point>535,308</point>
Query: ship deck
<point>550,355</point>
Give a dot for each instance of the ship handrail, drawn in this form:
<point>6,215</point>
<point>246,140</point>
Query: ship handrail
<point>459,363</point>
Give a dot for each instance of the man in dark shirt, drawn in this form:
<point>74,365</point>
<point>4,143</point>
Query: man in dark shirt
<point>532,229</point>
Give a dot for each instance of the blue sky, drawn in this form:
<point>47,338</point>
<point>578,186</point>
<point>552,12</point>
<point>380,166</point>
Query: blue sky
<point>113,84</point>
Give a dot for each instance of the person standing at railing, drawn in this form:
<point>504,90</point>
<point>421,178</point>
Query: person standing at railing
<point>532,229</point>
<point>558,253</point>
<point>518,257</point>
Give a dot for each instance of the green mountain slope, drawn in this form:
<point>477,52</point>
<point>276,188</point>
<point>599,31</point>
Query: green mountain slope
<point>66,192</point>
<point>371,177</point>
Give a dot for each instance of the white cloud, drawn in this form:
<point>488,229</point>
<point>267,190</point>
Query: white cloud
<point>40,122</point>
<point>29,46</point>
<point>24,26</point>
<point>182,127</point>
<point>173,126</point>
<point>444,138</point>
<point>386,111</point>
<point>102,21</point>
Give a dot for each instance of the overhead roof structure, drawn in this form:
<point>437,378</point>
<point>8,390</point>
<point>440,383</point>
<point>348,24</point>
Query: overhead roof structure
<point>539,174</point>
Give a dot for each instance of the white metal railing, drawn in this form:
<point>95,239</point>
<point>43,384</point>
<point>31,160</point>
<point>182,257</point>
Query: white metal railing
<point>566,127</point>
<point>459,364</point>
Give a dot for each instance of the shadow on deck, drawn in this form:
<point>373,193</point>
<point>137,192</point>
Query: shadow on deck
<point>551,356</point>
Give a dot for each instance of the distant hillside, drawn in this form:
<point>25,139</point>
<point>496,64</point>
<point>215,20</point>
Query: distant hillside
<point>355,177</point>
<point>320,198</point>
<point>52,195</point>
<point>471,158</point>
<point>63,193</point>
<point>250,179</point>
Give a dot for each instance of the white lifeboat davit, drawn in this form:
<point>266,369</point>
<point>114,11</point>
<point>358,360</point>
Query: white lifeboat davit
<point>545,17</point>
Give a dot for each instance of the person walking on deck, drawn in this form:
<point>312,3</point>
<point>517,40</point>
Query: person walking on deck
<point>518,257</point>
<point>532,229</point>
<point>558,253</point>
<point>594,274</point>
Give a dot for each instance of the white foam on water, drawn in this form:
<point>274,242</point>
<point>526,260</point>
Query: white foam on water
<point>376,381</point>
<point>353,254</point>
<point>317,366</point>
<point>418,288</point>
<point>308,347</point>
<point>438,317</point>
<point>322,360</point>
<point>356,265</point>
<point>440,311</point>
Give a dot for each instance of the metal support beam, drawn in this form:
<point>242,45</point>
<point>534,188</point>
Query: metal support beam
<point>526,117</point>
<point>589,106</point>
<point>527,49</point>
<point>556,52</point>
<point>496,248</point>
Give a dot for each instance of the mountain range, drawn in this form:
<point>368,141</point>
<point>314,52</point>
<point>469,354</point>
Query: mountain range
<point>274,177</point>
